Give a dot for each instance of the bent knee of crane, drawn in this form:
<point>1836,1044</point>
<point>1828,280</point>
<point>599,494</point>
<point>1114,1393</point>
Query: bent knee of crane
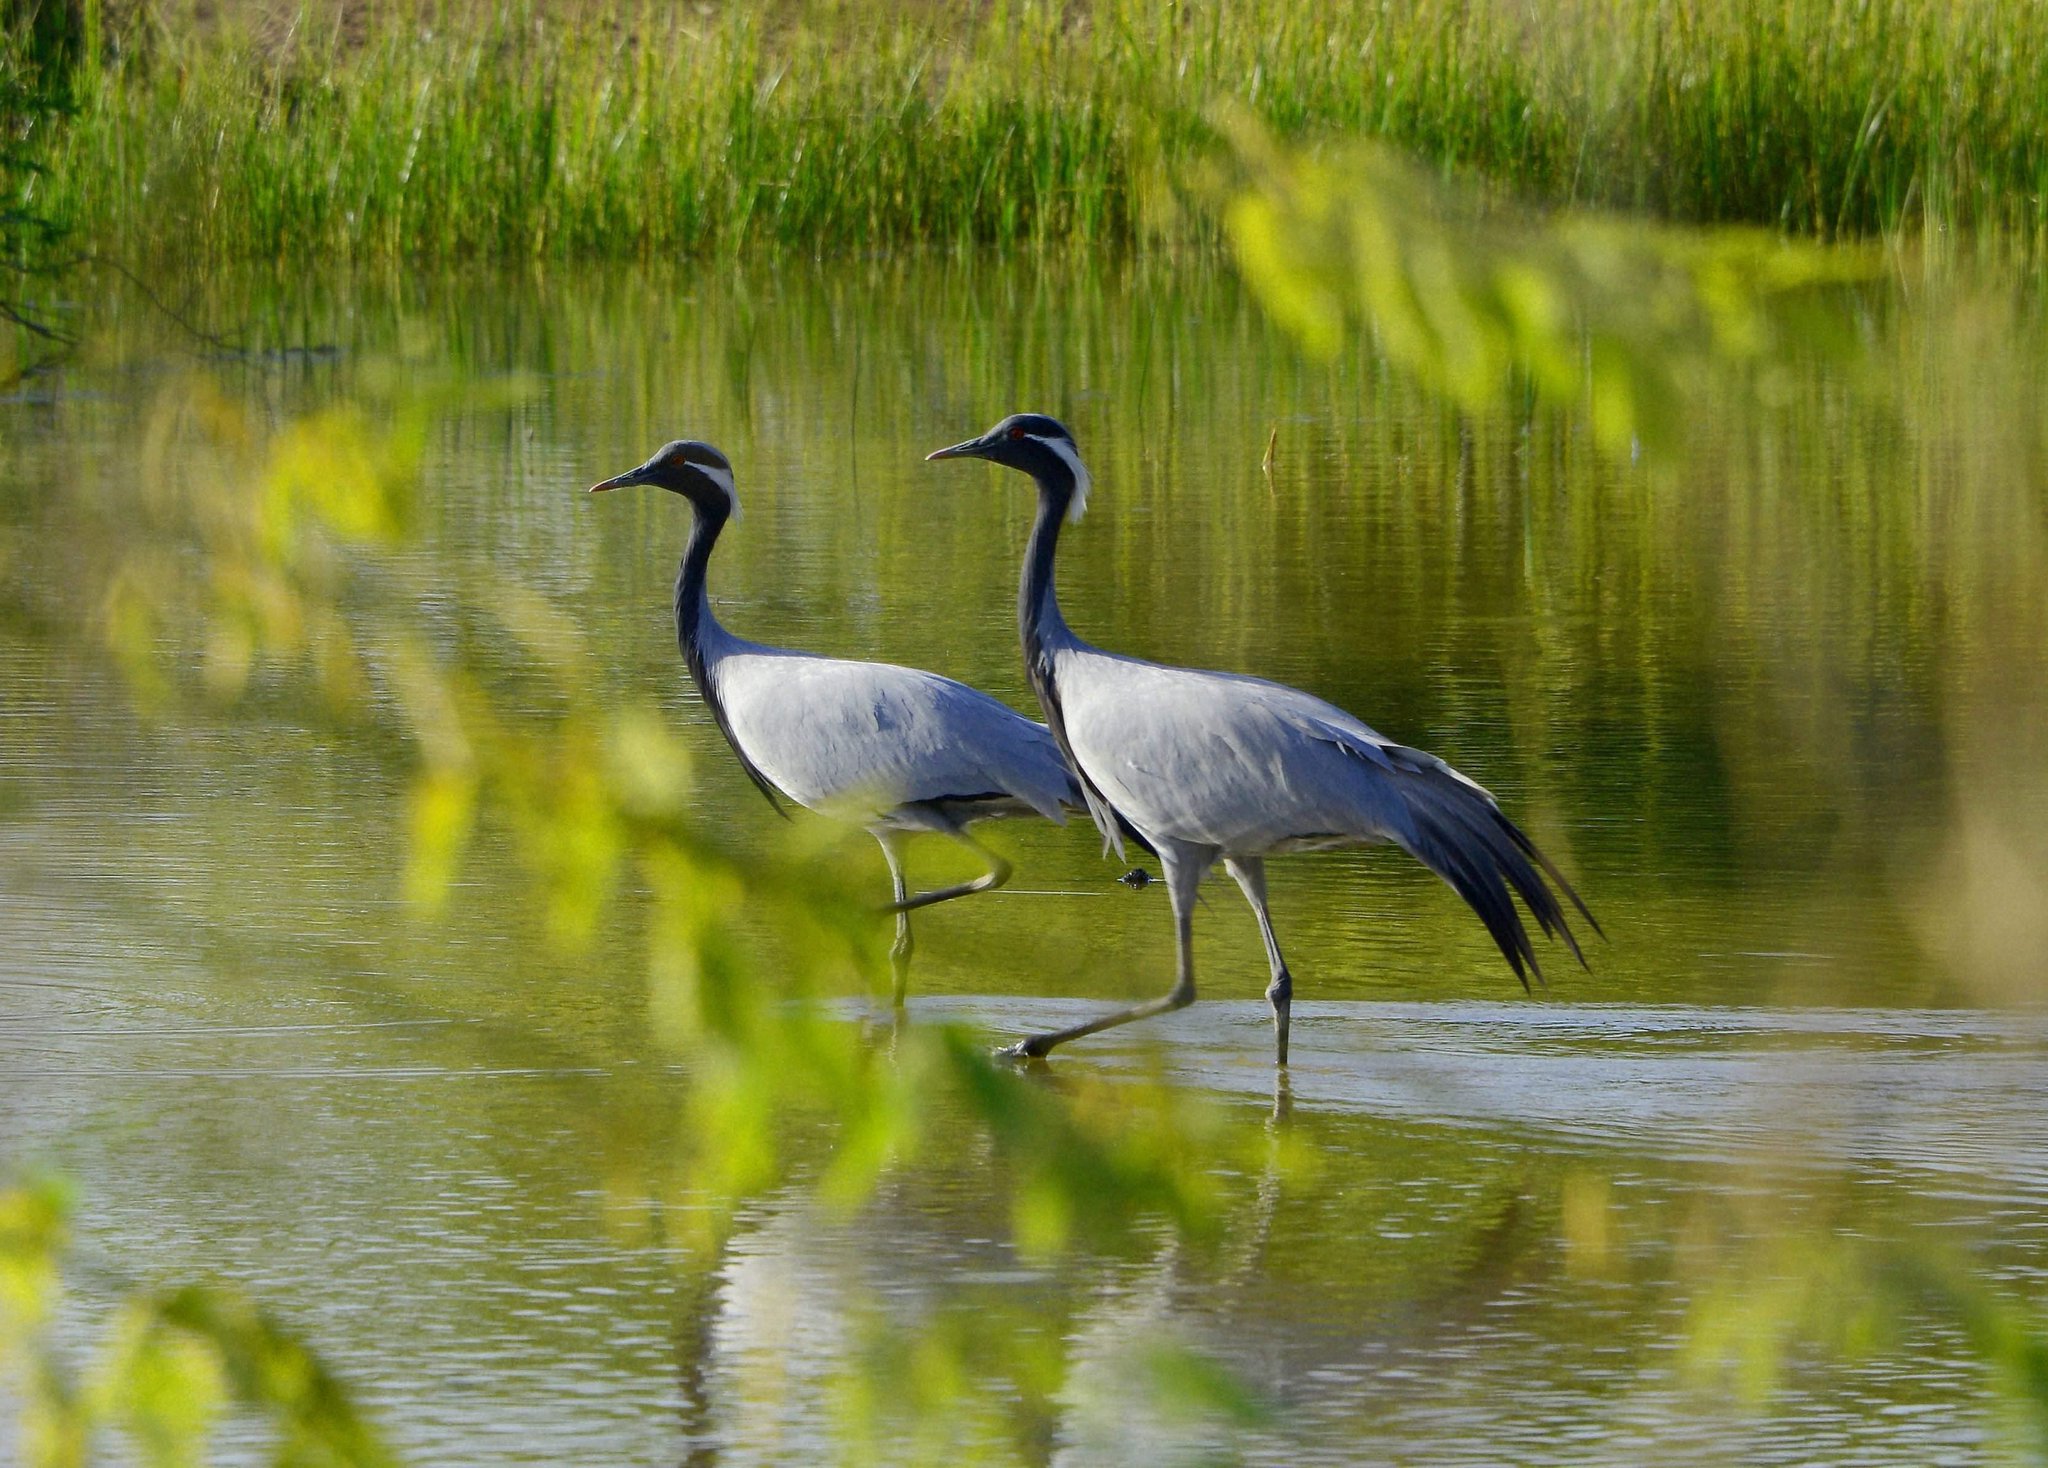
<point>1281,991</point>
<point>998,873</point>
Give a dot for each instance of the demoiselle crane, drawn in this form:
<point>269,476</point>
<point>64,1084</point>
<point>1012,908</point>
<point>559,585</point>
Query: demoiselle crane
<point>1219,765</point>
<point>893,749</point>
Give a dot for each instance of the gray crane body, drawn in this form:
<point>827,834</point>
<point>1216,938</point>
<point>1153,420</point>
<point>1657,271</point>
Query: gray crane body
<point>1219,766</point>
<point>880,745</point>
<point>1250,767</point>
<point>893,749</point>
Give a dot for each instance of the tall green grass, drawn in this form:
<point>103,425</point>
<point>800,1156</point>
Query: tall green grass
<point>565,130</point>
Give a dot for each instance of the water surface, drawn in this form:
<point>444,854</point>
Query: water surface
<point>1777,707</point>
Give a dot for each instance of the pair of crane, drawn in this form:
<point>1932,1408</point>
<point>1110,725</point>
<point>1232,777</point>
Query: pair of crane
<point>1195,766</point>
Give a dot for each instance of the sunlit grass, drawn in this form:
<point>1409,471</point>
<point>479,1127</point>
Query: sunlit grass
<point>545,131</point>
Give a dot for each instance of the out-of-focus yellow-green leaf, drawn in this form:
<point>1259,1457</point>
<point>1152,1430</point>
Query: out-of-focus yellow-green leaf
<point>1096,1155</point>
<point>1270,246</point>
<point>55,1428</point>
<point>269,1368</point>
<point>649,766</point>
<point>548,637</point>
<point>34,1229</point>
<point>442,811</point>
<point>1477,299</point>
<point>165,1388</point>
<point>356,481</point>
<point>1772,1296</point>
<point>130,627</point>
<point>167,1367</point>
<point>1187,1383</point>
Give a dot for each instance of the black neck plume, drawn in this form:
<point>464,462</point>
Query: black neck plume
<point>1039,622</point>
<point>693,619</point>
<point>1038,607</point>
<point>693,608</point>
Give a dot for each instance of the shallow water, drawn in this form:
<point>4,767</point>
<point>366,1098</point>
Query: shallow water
<point>1776,707</point>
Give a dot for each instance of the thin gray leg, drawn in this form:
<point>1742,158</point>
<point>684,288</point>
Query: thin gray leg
<point>1184,867</point>
<point>997,874</point>
<point>1250,872</point>
<point>899,951</point>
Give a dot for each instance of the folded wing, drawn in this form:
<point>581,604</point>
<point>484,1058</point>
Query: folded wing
<point>1249,766</point>
<point>859,740</point>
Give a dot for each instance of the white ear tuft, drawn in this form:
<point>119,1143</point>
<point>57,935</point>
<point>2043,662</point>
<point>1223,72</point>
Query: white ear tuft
<point>1078,506</point>
<point>723,479</point>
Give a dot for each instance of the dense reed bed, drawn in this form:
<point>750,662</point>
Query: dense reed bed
<point>537,130</point>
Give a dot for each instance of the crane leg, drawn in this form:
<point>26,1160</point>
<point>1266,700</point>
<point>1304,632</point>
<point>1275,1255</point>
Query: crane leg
<point>1184,866</point>
<point>1250,873</point>
<point>998,873</point>
<point>899,951</point>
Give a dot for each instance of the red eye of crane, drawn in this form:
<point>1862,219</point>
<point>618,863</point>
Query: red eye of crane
<point>1016,432</point>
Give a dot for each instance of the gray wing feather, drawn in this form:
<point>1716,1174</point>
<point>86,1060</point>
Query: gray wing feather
<point>858,738</point>
<point>1250,766</point>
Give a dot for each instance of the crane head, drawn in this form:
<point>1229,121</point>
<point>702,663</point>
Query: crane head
<point>1039,446</point>
<point>695,470</point>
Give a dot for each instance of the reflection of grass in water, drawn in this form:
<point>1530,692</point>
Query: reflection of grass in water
<point>531,130</point>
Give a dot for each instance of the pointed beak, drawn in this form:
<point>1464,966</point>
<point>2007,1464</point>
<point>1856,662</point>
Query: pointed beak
<point>618,481</point>
<point>974,448</point>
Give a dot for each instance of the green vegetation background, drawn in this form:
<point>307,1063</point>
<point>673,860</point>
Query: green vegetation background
<point>583,128</point>
<point>167,140</point>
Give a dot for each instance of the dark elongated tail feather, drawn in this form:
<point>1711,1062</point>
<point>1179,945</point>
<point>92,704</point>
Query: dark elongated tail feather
<point>1134,835</point>
<point>1462,836</point>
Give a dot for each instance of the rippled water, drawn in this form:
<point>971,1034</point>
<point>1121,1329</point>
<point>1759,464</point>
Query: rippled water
<point>1778,708</point>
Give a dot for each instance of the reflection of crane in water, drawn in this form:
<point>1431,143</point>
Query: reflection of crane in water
<point>1209,766</point>
<point>804,1312</point>
<point>897,750</point>
<point>801,1313</point>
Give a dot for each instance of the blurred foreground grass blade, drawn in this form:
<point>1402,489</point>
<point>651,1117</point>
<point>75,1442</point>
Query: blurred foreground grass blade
<point>1616,319</point>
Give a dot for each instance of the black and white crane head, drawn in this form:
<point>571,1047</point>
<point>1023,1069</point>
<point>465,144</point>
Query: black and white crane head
<point>1038,445</point>
<point>688,467</point>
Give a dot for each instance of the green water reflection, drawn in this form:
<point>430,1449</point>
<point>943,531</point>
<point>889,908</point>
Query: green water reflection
<point>1780,707</point>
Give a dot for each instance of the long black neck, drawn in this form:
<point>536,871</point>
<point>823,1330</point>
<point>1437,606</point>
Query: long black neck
<point>1038,605</point>
<point>693,606</point>
<point>1039,623</point>
<point>694,619</point>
